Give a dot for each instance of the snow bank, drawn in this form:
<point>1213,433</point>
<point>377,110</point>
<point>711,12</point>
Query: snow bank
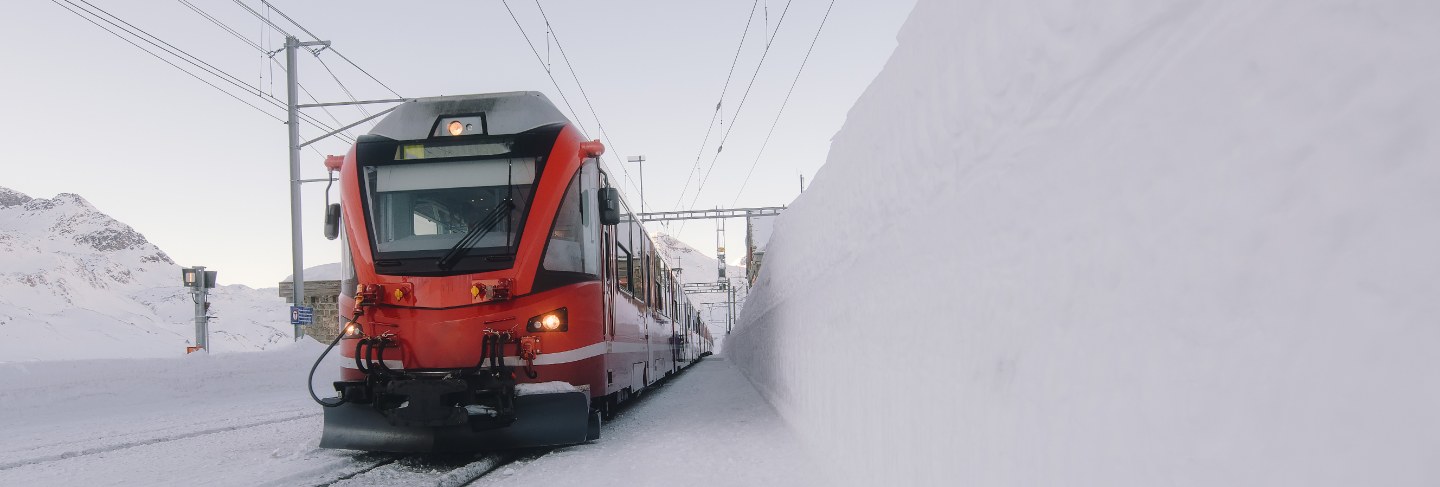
<point>1121,243</point>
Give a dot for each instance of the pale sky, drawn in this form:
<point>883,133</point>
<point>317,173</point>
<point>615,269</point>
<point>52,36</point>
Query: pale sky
<point>204,177</point>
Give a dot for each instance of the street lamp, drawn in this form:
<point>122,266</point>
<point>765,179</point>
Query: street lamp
<point>641,160</point>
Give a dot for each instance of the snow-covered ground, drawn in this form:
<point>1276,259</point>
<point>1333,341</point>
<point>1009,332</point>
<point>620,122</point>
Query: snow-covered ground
<point>245,419</point>
<point>705,427</point>
<point>1121,243</point>
<point>77,284</point>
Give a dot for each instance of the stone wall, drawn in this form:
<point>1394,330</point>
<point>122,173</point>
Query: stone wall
<point>323,296</point>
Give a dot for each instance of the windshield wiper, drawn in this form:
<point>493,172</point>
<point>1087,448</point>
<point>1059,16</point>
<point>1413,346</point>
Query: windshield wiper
<point>476,233</point>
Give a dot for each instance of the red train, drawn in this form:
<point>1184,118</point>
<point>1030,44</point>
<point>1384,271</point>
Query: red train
<point>504,296</point>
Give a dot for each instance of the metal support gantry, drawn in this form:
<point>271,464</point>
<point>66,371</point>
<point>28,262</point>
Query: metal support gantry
<point>722,284</point>
<point>660,216</point>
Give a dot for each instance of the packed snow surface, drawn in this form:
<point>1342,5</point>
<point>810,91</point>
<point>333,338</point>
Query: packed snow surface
<point>77,284</point>
<point>705,427</point>
<point>552,387</point>
<point>245,419</point>
<point>1121,243</point>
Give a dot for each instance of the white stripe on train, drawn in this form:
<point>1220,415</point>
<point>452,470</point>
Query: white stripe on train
<point>565,357</point>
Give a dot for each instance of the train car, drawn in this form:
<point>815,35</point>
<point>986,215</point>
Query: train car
<point>503,294</point>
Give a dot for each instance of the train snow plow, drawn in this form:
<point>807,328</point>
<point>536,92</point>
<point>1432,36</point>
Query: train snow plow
<point>425,424</point>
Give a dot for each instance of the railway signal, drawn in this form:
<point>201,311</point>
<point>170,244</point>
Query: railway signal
<point>199,281</point>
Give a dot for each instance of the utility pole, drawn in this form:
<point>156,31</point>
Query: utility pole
<point>293,123</point>
<point>730,311</point>
<point>641,160</point>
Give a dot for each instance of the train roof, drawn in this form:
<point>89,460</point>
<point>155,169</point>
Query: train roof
<point>505,113</point>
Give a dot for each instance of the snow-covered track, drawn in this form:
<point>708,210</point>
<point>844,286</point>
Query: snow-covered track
<point>440,471</point>
<point>111,447</point>
<point>352,473</point>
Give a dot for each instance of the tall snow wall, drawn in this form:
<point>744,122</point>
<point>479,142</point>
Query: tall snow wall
<point>1121,243</point>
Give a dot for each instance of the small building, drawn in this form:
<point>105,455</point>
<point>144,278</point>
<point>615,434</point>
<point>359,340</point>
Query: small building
<point>757,234</point>
<point>322,293</point>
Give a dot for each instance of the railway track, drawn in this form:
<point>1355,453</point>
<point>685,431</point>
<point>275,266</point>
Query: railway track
<point>123,445</point>
<point>437,470</point>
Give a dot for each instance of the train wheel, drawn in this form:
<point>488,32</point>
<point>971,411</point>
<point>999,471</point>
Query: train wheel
<point>608,405</point>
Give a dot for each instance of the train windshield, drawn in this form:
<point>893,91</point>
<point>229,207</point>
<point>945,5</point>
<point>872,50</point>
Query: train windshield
<point>421,210</point>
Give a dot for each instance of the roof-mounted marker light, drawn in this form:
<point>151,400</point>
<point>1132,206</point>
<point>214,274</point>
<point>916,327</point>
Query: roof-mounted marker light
<point>456,128</point>
<point>592,148</point>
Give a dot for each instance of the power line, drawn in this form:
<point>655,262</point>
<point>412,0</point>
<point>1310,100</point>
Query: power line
<point>172,50</point>
<point>261,17</point>
<point>551,75</point>
<point>166,61</point>
<point>599,125</point>
<point>342,85</point>
<point>709,128</point>
<point>223,26</point>
<point>783,103</point>
<point>741,106</point>
<point>542,63</point>
<point>334,50</point>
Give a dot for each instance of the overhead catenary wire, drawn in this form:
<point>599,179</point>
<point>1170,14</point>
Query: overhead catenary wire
<point>317,52</point>
<point>262,18</point>
<point>332,49</point>
<point>345,135</point>
<point>337,53</point>
<point>90,14</point>
<point>783,103</point>
<point>550,74</point>
<point>716,113</point>
<point>745,96</point>
<point>561,92</point>
<point>166,61</point>
<point>598,124</point>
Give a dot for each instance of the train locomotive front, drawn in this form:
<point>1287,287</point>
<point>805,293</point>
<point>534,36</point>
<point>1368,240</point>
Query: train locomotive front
<point>473,258</point>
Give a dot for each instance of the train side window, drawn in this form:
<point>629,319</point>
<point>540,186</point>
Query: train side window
<point>648,269</point>
<point>622,266</point>
<point>637,267</point>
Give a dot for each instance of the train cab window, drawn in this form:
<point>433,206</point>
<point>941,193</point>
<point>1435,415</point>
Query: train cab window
<point>431,206</point>
<point>565,251</point>
<point>347,265</point>
<point>590,214</point>
<point>572,252</point>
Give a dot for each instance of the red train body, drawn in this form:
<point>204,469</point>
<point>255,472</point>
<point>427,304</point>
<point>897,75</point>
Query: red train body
<point>503,294</point>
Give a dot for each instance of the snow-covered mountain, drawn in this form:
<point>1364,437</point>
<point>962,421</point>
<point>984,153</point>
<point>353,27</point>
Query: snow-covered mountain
<point>75,283</point>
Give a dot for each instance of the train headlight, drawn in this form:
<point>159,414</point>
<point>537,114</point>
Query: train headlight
<point>456,128</point>
<point>558,320</point>
<point>352,330</point>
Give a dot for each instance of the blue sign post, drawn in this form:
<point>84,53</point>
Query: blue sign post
<point>302,315</point>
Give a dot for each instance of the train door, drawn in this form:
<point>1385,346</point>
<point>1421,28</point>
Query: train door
<point>647,317</point>
<point>609,282</point>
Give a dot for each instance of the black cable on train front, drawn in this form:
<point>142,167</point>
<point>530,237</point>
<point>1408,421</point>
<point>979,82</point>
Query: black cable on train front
<point>380,358</point>
<point>360,354</point>
<point>484,351</point>
<point>310,381</point>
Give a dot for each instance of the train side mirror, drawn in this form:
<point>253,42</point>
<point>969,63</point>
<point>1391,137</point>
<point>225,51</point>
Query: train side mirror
<point>332,221</point>
<point>609,206</point>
